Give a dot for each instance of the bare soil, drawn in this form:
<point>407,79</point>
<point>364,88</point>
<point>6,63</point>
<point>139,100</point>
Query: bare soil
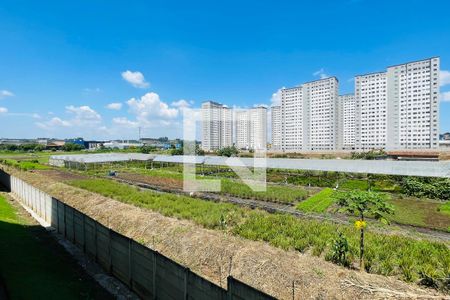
<point>216,254</point>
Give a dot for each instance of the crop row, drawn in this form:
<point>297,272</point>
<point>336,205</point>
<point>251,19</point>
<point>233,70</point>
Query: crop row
<point>400,256</point>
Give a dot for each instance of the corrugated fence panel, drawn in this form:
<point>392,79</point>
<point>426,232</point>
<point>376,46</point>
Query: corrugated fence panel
<point>103,244</point>
<point>142,269</point>
<point>69,212</point>
<point>170,278</point>
<point>61,221</point>
<point>54,213</point>
<point>148,273</point>
<point>90,236</point>
<point>202,289</point>
<point>242,291</point>
<point>78,219</point>
<point>48,209</point>
<point>120,256</point>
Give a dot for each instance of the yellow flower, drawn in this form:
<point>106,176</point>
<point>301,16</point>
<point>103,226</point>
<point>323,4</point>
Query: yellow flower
<point>360,224</point>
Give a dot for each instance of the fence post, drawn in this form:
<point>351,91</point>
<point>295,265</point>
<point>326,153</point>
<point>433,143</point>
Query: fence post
<point>73,225</point>
<point>57,216</point>
<point>84,233</point>
<point>95,240</point>
<point>130,262</point>
<point>293,289</point>
<point>154,274</point>
<point>65,221</point>
<point>229,287</point>
<point>186,274</point>
<point>110,251</point>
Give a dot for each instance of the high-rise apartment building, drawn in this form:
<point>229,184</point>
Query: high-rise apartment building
<point>310,116</point>
<point>371,111</point>
<point>292,118</point>
<point>258,128</point>
<point>398,109</point>
<point>347,120</point>
<point>276,127</point>
<point>217,126</point>
<point>321,101</point>
<point>242,125</point>
<point>251,128</point>
<point>413,105</point>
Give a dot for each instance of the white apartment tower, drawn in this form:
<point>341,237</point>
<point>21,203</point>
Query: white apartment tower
<point>292,118</point>
<point>321,101</point>
<point>217,126</point>
<point>258,128</point>
<point>242,124</point>
<point>398,109</point>
<point>413,105</point>
<point>371,111</point>
<point>251,128</point>
<point>276,127</point>
<point>310,116</point>
<point>347,120</point>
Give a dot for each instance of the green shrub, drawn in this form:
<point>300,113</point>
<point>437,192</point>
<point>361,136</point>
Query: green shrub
<point>437,188</point>
<point>339,252</point>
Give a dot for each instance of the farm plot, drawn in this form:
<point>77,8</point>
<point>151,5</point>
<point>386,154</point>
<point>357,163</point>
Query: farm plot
<point>172,180</point>
<point>387,255</point>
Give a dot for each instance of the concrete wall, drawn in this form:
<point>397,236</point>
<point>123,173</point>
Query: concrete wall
<point>148,273</point>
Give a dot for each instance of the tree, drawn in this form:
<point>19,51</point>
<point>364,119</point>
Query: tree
<point>72,147</point>
<point>228,151</point>
<point>363,204</point>
<point>148,149</point>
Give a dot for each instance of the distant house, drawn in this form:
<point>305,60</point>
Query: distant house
<point>122,144</point>
<point>445,136</point>
<point>76,141</point>
<point>93,145</point>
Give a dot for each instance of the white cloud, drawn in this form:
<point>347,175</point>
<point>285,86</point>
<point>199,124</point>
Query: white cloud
<point>114,106</point>
<point>276,97</point>
<point>151,105</point>
<point>181,103</point>
<point>83,114</point>
<point>135,78</point>
<point>52,123</point>
<point>122,121</point>
<point>321,73</point>
<point>151,112</point>
<point>5,93</point>
<point>445,97</point>
<point>30,115</point>
<point>445,78</point>
<point>3,110</point>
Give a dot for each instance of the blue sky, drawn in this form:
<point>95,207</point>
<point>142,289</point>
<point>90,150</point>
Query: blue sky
<point>63,62</point>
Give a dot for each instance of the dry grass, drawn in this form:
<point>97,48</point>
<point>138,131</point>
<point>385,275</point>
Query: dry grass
<point>208,252</point>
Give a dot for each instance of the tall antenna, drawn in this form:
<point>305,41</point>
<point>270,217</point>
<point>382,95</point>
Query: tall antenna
<point>139,133</point>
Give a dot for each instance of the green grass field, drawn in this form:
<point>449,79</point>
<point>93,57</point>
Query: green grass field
<point>386,254</point>
<point>317,203</point>
<point>420,212</point>
<point>34,266</point>
<point>445,208</point>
